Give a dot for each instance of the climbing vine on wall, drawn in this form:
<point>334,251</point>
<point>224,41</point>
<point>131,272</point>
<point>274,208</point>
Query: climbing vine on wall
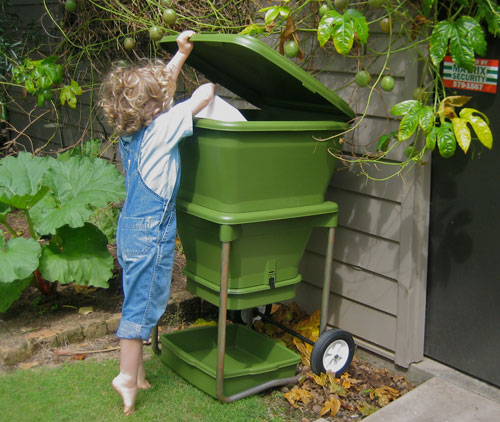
<point>94,33</point>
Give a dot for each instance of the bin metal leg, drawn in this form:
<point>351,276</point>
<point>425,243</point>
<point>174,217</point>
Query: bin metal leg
<point>221,340</point>
<point>222,322</point>
<point>327,280</point>
<point>154,340</point>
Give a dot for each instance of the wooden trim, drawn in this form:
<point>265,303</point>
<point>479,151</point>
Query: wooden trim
<point>413,255</point>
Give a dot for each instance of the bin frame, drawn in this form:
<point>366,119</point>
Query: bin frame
<point>310,95</point>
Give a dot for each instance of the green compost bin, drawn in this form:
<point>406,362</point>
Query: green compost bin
<point>265,250</point>
<point>274,159</point>
<point>251,358</point>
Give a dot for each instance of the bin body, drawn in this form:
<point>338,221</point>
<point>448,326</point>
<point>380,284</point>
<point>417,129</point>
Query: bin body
<point>240,167</point>
<point>266,248</point>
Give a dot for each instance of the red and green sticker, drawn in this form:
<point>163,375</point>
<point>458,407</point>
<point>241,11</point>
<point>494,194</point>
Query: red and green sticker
<point>483,78</point>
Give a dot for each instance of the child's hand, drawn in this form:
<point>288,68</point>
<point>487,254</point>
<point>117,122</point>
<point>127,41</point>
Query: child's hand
<point>185,46</point>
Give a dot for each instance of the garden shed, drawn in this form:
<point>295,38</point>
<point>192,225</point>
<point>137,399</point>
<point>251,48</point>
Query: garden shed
<point>381,254</point>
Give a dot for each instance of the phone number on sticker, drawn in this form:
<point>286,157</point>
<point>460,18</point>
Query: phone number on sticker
<point>467,85</point>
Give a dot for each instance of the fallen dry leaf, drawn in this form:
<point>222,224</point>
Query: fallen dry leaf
<point>297,394</point>
<point>332,405</point>
<point>305,352</point>
<point>385,395</point>
<point>83,289</point>
<point>79,356</point>
<point>85,310</point>
<point>366,408</point>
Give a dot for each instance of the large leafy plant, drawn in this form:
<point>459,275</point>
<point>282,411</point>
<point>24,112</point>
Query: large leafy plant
<point>56,197</point>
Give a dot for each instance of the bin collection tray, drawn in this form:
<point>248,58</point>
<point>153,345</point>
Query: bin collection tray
<point>251,358</point>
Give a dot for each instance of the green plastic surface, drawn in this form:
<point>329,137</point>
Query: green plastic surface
<point>261,253</point>
<point>245,298</point>
<point>328,210</point>
<point>241,171</point>
<point>260,75</point>
<point>251,358</point>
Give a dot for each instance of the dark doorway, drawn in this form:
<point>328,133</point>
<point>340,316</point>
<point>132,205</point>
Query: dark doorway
<point>463,294</point>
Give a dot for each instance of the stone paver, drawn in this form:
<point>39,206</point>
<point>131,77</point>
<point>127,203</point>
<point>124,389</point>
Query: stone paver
<point>438,400</point>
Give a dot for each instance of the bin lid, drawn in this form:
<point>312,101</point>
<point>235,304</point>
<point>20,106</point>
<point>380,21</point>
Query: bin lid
<point>259,74</point>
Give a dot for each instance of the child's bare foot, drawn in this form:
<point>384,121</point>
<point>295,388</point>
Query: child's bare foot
<point>127,389</point>
<point>142,382</point>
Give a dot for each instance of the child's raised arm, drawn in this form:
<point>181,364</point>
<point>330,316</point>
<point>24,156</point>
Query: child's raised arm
<point>201,98</point>
<point>185,48</point>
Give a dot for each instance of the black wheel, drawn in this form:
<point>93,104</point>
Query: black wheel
<point>333,352</point>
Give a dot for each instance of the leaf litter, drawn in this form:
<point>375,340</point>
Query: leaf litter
<point>357,393</point>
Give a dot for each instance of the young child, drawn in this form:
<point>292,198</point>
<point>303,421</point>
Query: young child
<point>137,102</point>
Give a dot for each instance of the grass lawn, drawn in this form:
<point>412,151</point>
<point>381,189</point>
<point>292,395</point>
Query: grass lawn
<point>81,391</point>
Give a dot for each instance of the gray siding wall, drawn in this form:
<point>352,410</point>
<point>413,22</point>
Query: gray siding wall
<point>36,126</point>
<point>380,251</point>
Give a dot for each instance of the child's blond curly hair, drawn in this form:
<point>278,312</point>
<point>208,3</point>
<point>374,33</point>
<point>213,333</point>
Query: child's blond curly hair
<point>131,97</point>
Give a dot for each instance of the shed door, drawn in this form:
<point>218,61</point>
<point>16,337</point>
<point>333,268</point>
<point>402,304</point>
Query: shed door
<point>463,298</point>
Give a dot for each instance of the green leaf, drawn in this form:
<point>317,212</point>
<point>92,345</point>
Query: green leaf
<point>106,219</point>
<point>447,144</point>
<point>491,13</point>
<point>25,202</point>
<point>408,124</point>
<point>48,214</point>
<point>21,180</point>
<point>472,30</point>
<point>460,47</point>
<point>404,107</point>
<point>343,36</point>
<point>430,140</point>
<point>40,98</point>
<point>10,292</point>
<point>383,143</point>
<point>480,127</point>
<point>67,95</point>
<point>30,86</point>
<point>439,41</point>
<point>92,181</point>
<point>284,11</point>
<point>51,60</point>
<point>79,256</point>
<point>77,185</point>
<point>360,25</point>
<point>18,258</point>
<point>462,133</point>
<point>326,26</point>
<point>426,119</point>
<point>253,29</point>
<point>271,14</point>
<point>342,29</point>
<point>90,148</point>
<point>4,212</point>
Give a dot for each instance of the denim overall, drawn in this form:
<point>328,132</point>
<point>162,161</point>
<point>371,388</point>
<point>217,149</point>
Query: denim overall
<point>145,247</point>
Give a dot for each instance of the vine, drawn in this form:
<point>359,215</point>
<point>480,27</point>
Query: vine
<point>92,34</point>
